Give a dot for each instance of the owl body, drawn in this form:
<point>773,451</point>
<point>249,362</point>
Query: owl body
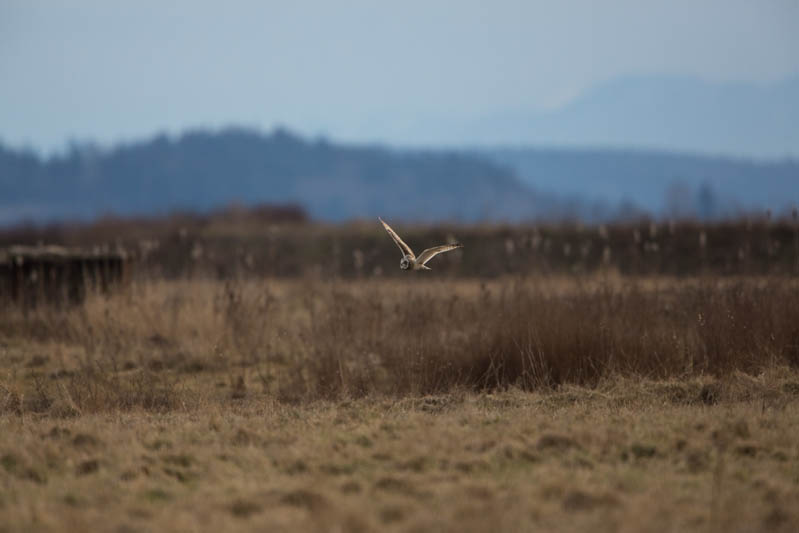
<point>410,263</point>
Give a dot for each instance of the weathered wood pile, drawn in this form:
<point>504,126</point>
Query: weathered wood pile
<point>36,275</point>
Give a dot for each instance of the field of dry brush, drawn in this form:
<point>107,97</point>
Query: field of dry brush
<point>285,376</point>
<point>595,403</point>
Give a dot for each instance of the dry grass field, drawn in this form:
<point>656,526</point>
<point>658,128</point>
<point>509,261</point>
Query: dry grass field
<point>547,403</point>
<point>273,243</point>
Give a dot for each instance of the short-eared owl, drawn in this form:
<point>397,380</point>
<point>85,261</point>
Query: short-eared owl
<point>409,261</point>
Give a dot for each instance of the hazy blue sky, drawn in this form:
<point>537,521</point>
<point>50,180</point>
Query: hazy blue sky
<point>364,71</point>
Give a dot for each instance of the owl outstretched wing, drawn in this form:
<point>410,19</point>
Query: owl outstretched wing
<point>406,250</point>
<point>430,253</point>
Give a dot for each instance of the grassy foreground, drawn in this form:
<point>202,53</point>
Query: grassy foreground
<point>546,404</point>
<point>626,456</point>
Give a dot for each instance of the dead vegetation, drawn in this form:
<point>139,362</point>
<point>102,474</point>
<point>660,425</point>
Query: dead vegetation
<point>161,345</point>
<point>626,455</point>
<point>532,402</point>
<point>274,241</point>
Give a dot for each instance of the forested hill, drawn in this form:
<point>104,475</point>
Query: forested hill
<point>661,183</point>
<point>204,170</point>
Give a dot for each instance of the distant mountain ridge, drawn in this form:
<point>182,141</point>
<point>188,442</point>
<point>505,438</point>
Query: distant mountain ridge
<point>660,183</point>
<point>203,170</point>
<point>662,113</point>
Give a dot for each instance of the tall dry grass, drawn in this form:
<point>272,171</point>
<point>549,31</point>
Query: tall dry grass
<point>163,344</point>
<point>274,242</point>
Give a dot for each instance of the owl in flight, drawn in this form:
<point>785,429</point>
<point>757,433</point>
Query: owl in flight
<point>409,260</point>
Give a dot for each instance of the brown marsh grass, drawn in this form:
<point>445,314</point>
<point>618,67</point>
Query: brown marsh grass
<point>550,403</point>
<point>307,340</point>
<point>280,242</point>
<point>627,455</point>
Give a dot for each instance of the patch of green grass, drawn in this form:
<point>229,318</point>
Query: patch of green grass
<point>157,495</point>
<point>73,500</point>
<point>643,451</point>
<point>9,462</point>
